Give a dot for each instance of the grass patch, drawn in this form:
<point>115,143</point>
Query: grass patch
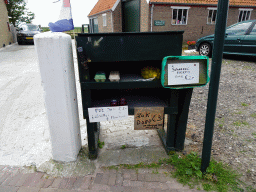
<point>155,172</point>
<point>238,112</point>
<point>247,67</point>
<point>113,167</point>
<point>123,146</point>
<point>59,166</point>
<point>221,122</point>
<point>249,140</point>
<point>100,144</point>
<point>218,177</point>
<point>253,115</point>
<point>83,153</point>
<point>239,123</point>
<point>187,170</point>
<point>245,104</point>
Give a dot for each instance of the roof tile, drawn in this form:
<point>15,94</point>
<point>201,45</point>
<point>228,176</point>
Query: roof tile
<point>102,5</point>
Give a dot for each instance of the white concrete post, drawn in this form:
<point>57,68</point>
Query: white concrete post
<point>56,63</point>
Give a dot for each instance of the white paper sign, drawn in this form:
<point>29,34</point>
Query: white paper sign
<point>99,114</point>
<point>185,73</point>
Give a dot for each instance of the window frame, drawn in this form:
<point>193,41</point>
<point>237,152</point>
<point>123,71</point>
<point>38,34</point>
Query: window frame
<point>104,19</point>
<point>247,10</point>
<point>93,23</point>
<point>179,8</point>
<point>211,9</point>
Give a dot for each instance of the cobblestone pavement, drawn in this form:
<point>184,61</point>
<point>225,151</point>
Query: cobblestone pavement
<point>14,179</point>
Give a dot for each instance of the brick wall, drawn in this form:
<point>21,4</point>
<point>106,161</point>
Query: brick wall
<point>5,34</point>
<point>253,16</point>
<point>108,28</point>
<point>144,13</point>
<point>117,18</point>
<point>196,24</point>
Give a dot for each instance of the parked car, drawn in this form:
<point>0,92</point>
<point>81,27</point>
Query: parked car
<point>26,33</point>
<point>240,39</point>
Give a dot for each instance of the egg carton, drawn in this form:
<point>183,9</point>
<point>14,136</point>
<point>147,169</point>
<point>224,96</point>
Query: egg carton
<point>100,77</point>
<point>114,76</point>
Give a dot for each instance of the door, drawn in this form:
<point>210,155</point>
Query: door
<point>131,15</point>
<point>249,42</point>
<point>234,37</point>
<point>94,25</point>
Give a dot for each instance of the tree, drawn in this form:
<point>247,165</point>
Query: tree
<point>18,12</point>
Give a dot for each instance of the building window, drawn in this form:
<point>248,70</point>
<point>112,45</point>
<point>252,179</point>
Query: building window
<point>212,13</point>
<point>104,17</point>
<point>179,15</point>
<point>244,14</point>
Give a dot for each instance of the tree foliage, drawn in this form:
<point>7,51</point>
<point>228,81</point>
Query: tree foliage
<point>18,13</point>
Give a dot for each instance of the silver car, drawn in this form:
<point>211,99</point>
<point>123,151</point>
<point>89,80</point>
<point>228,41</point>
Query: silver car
<point>26,33</point>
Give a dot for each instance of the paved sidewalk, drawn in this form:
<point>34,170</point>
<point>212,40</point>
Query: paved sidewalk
<point>16,179</point>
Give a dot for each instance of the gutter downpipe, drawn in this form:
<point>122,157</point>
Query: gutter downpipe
<point>152,7</point>
<point>112,21</point>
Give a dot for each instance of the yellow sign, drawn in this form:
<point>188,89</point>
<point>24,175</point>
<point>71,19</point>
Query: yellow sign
<point>148,118</point>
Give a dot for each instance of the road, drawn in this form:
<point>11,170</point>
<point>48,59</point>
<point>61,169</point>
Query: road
<point>24,130</point>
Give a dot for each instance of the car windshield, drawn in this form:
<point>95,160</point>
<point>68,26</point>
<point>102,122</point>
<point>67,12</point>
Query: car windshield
<point>30,28</point>
<point>238,29</point>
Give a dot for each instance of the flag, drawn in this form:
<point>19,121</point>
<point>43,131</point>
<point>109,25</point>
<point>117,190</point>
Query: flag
<point>65,21</point>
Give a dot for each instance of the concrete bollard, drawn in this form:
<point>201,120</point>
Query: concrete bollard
<point>56,64</point>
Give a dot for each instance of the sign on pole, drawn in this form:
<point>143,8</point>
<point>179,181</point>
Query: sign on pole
<point>183,73</point>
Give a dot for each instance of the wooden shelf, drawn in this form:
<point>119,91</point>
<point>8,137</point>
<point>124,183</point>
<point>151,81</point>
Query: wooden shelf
<point>127,81</point>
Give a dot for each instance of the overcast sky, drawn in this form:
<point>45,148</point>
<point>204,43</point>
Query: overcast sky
<point>46,11</point>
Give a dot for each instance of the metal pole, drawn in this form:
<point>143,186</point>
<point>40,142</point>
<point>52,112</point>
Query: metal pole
<point>219,38</point>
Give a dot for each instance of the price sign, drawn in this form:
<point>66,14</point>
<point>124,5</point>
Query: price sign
<point>148,118</point>
<point>99,114</point>
<point>183,73</point>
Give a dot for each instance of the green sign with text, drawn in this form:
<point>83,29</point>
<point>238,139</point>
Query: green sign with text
<point>159,23</point>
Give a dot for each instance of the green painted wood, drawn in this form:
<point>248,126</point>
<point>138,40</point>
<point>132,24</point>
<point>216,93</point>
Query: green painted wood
<point>184,98</point>
<point>121,85</point>
<point>132,46</point>
<point>131,15</point>
<point>203,70</point>
<point>129,53</point>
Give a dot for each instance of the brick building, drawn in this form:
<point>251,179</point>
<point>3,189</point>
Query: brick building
<point>119,16</point>
<point>196,17</point>
<point>6,36</point>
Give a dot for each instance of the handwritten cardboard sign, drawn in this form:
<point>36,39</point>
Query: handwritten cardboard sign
<point>99,114</point>
<point>148,118</point>
<point>181,74</point>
